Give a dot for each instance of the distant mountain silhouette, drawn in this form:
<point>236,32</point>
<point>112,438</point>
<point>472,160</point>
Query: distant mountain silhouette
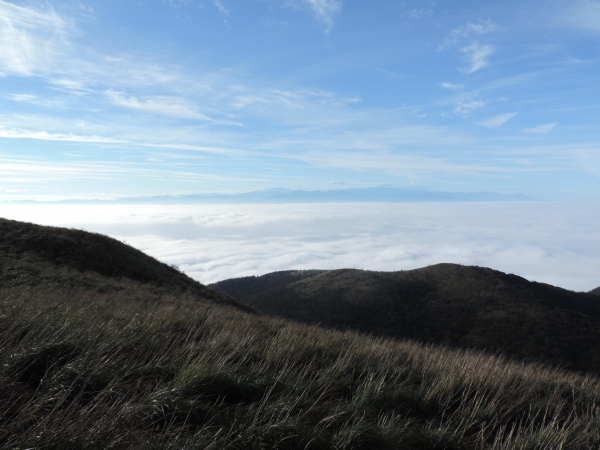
<point>595,291</point>
<point>461,306</point>
<point>34,255</point>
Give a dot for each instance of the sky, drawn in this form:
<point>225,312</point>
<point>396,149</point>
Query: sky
<point>104,99</point>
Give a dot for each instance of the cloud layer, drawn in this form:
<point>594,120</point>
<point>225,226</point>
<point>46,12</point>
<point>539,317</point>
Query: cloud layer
<point>547,242</point>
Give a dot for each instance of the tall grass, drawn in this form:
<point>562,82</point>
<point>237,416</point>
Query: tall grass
<point>139,368</point>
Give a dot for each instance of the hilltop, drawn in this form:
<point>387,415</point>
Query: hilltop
<point>459,306</point>
<point>595,291</point>
<point>39,257</point>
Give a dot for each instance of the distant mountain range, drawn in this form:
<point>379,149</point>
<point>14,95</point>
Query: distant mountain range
<point>459,306</point>
<point>275,196</point>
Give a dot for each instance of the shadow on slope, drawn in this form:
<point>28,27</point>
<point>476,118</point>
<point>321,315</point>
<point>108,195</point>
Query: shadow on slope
<point>460,306</point>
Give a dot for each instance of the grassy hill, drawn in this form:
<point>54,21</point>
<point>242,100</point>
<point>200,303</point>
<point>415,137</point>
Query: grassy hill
<point>35,256</point>
<point>459,306</point>
<point>96,359</point>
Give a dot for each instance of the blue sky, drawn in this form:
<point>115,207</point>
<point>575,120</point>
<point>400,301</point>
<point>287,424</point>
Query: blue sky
<point>121,98</point>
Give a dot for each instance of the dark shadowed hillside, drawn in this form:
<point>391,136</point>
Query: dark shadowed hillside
<point>595,291</point>
<point>467,307</point>
<point>36,256</point>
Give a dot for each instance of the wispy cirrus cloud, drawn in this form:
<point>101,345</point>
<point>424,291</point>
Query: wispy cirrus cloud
<point>545,128</point>
<point>468,31</point>
<point>497,121</point>
<point>324,11</point>
<point>419,13</point>
<point>476,56</point>
<point>163,105</point>
<point>453,86</point>
<point>221,7</point>
<point>31,40</point>
<point>37,101</point>
<point>466,107</point>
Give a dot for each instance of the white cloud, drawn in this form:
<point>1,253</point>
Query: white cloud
<point>222,9</point>
<point>497,121</point>
<point>452,86</point>
<point>469,31</point>
<point>163,105</point>
<point>324,11</point>
<point>71,86</point>
<point>419,13</point>
<point>547,242</point>
<point>30,40</point>
<point>59,137</point>
<point>541,128</point>
<point>466,107</point>
<point>476,55</point>
<point>35,100</point>
<point>243,101</point>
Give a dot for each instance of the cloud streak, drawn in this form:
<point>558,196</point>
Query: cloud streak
<point>468,31</point>
<point>497,121</point>
<point>162,105</point>
<point>546,128</point>
<point>476,56</point>
<point>324,11</point>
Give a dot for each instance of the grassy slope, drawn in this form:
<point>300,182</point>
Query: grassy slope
<point>89,361</point>
<point>114,371</point>
<point>467,307</point>
<point>38,256</point>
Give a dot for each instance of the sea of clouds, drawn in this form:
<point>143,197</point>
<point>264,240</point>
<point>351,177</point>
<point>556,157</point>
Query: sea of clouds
<point>556,243</point>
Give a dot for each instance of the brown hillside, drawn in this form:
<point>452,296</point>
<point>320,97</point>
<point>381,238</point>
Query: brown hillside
<point>460,306</point>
